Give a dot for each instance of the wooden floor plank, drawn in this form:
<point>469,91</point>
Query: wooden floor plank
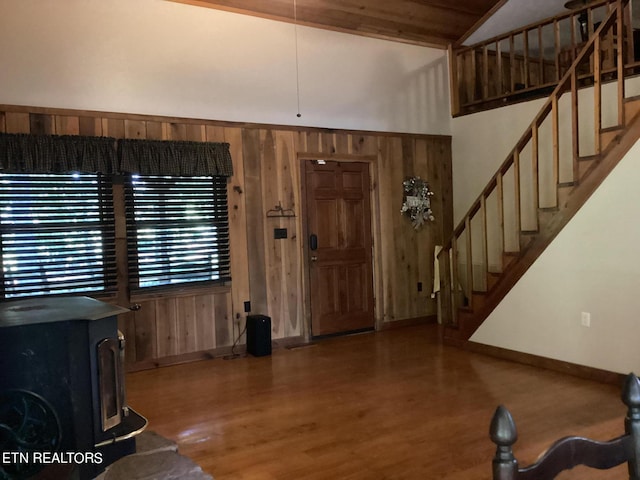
<point>394,404</point>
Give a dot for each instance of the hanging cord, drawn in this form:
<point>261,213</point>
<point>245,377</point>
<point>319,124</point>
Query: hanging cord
<point>295,29</point>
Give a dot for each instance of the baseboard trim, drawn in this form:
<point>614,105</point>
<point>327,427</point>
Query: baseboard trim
<point>581,371</point>
<point>221,352</point>
<point>409,322</point>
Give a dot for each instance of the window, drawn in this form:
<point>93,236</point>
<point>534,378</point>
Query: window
<point>177,229</point>
<point>57,234</point>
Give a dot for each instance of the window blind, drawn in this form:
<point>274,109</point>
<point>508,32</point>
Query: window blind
<point>177,229</point>
<point>57,234</point>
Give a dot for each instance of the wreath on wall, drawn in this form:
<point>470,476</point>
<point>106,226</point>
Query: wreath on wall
<point>417,202</point>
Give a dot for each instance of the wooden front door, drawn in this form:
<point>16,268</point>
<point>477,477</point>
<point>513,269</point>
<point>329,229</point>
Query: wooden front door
<point>338,212</point>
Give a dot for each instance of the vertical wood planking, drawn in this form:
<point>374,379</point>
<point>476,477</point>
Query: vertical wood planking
<point>268,272</point>
<point>255,255</point>
<point>17,122</point>
<point>225,335</point>
<point>313,142</point>
<point>238,229</point>
<point>176,131</point>
<point>113,127</point>
<point>41,124</point>
<point>387,229</point>
<point>273,248</point>
<point>205,322</point>
<point>90,126</point>
<point>425,237</point>
<point>67,125</point>
<point>166,326</point>
<point>402,233</point>
<point>376,235</point>
<point>135,129</point>
<point>327,143</point>
<point>146,336</point>
<point>195,132</point>
<point>187,329</point>
<point>154,130</point>
<point>291,251</point>
<point>410,259</point>
<point>342,143</point>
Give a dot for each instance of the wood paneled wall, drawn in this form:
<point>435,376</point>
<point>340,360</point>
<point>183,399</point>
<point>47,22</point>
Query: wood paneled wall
<point>271,273</point>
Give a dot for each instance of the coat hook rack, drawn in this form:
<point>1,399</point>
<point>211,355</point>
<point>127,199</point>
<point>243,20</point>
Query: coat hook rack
<point>279,211</point>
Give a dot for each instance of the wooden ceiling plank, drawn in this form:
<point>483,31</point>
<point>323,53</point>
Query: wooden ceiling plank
<point>434,23</point>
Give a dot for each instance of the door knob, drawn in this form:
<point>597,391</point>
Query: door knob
<point>314,258</point>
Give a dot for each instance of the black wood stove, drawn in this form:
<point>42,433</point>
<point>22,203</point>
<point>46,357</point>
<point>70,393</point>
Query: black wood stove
<point>63,410</point>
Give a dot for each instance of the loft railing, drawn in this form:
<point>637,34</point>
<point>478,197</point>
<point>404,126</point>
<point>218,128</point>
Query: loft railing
<point>529,61</point>
<point>571,130</point>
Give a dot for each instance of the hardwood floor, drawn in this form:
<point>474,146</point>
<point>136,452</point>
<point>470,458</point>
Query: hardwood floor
<point>389,405</point>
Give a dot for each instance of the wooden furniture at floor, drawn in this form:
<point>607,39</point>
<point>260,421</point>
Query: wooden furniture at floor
<point>570,452</point>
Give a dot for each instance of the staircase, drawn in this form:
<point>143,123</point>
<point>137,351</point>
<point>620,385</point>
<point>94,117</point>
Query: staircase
<point>584,129</point>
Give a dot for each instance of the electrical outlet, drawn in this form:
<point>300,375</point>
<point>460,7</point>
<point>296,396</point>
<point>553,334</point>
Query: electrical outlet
<point>585,319</point>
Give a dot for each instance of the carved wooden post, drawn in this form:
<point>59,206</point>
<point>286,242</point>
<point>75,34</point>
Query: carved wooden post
<point>503,433</point>
<point>631,398</point>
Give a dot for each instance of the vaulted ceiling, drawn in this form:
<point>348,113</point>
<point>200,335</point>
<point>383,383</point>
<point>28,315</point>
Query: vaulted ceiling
<point>435,23</point>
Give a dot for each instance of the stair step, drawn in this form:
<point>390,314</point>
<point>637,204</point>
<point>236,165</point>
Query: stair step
<point>564,192</point>
<point>526,236</point>
<point>508,258</point>
<point>609,135</point>
<point>545,214</point>
<point>587,163</point>
<point>492,279</point>
<point>631,108</point>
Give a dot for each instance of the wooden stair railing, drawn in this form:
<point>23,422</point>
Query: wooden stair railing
<point>527,62</point>
<point>554,167</point>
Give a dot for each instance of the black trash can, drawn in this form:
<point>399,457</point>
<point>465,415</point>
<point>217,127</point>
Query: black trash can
<point>258,335</point>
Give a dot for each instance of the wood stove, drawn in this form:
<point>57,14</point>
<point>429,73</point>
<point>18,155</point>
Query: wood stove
<point>63,410</point>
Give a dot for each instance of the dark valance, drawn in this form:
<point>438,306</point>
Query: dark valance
<point>186,159</point>
<point>23,153</point>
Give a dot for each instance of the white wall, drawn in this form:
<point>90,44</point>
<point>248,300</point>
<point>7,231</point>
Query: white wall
<point>162,58</point>
<point>480,143</point>
<point>592,266</point>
